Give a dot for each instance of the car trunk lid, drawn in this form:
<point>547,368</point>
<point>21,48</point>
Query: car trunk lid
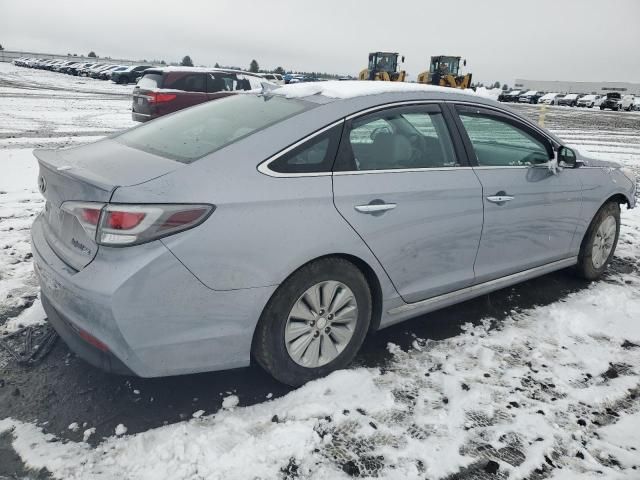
<point>89,173</point>
<point>142,101</point>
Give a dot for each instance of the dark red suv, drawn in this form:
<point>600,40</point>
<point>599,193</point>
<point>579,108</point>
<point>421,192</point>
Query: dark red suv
<point>165,90</point>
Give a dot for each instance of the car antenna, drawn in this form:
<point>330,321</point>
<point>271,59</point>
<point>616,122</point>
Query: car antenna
<point>268,88</point>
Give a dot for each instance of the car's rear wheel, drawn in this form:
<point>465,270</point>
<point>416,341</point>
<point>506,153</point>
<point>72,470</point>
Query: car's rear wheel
<point>315,322</point>
<point>599,243</point>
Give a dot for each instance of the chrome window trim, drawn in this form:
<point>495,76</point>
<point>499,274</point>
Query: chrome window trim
<point>391,105</point>
<point>402,170</point>
<point>263,167</point>
<point>508,113</point>
<point>488,286</point>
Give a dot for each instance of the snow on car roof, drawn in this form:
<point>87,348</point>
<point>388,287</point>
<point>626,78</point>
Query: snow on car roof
<point>204,70</point>
<point>358,88</point>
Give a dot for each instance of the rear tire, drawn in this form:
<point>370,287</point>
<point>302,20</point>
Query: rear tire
<point>599,243</point>
<point>123,80</point>
<point>281,335</point>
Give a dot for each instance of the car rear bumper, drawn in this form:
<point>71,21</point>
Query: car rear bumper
<point>152,315</point>
<point>97,357</point>
<point>141,117</point>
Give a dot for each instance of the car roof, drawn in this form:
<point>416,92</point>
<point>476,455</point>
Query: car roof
<point>202,70</point>
<point>334,90</point>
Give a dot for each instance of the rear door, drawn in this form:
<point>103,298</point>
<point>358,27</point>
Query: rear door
<point>399,181</point>
<point>182,90</point>
<point>530,212</point>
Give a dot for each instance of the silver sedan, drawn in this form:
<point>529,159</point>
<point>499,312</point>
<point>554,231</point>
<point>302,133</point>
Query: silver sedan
<point>285,226</point>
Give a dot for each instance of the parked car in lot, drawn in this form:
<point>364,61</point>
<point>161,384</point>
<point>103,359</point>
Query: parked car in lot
<point>131,74</point>
<point>106,74</point>
<point>588,101</point>
<point>166,90</point>
<point>627,103</point>
<point>570,100</point>
<point>511,96</point>
<point>531,96</point>
<point>611,101</point>
<point>200,239</point>
<point>550,98</point>
<point>274,78</point>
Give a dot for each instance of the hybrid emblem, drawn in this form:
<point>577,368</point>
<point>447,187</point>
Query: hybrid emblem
<point>42,184</point>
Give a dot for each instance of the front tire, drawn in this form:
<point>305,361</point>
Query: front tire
<point>599,243</point>
<point>315,322</point>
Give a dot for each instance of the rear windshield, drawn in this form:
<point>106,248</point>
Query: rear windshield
<point>150,81</point>
<point>198,131</point>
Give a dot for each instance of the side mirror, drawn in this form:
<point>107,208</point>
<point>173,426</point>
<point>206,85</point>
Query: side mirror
<point>567,158</point>
<point>464,62</point>
<point>403,59</point>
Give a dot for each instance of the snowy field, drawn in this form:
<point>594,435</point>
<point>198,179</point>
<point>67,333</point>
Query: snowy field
<point>541,386</point>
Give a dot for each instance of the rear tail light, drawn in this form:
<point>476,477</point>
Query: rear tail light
<point>159,97</point>
<point>123,224</point>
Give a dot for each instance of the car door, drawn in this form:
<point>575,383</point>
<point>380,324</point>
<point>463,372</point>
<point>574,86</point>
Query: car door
<point>193,90</point>
<point>530,212</point>
<point>400,181</point>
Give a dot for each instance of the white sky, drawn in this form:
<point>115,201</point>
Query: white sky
<point>589,40</point>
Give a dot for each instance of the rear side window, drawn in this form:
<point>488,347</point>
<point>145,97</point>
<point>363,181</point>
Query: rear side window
<point>149,81</point>
<point>189,82</point>
<point>315,156</point>
<point>198,131</point>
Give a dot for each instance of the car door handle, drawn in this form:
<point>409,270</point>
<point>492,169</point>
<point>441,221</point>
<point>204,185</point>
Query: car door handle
<point>499,198</point>
<point>374,208</point>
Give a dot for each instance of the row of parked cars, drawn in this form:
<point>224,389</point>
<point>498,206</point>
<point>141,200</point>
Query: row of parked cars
<point>612,100</point>
<point>122,74</point>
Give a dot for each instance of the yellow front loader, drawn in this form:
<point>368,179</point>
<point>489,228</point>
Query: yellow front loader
<point>383,66</point>
<point>444,71</point>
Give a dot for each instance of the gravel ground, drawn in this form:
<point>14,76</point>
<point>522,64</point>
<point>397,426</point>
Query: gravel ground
<point>39,109</point>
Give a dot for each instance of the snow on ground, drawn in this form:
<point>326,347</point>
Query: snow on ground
<point>550,392</point>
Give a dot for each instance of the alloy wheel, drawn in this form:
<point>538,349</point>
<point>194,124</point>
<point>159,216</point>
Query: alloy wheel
<point>603,241</point>
<point>321,324</point>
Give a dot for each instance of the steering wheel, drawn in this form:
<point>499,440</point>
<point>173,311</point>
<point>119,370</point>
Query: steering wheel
<point>378,130</point>
<point>534,158</point>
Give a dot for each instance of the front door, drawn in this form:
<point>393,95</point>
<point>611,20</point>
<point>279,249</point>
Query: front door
<point>530,212</point>
<point>399,183</point>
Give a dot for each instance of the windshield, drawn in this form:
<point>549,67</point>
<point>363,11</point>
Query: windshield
<point>445,66</point>
<point>531,92</point>
<point>589,97</point>
<point>571,96</point>
<point>201,130</point>
<point>383,61</point>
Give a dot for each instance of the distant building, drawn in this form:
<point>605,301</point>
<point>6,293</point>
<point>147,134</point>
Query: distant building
<point>557,86</point>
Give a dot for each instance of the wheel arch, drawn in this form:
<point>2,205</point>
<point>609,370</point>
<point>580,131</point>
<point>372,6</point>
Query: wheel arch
<point>619,198</point>
<point>370,276</point>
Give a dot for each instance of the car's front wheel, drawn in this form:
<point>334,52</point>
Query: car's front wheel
<point>315,322</point>
<point>599,243</point>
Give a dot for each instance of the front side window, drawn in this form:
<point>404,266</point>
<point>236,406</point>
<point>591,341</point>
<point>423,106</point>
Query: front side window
<point>496,142</point>
<point>198,131</point>
<point>397,139</point>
